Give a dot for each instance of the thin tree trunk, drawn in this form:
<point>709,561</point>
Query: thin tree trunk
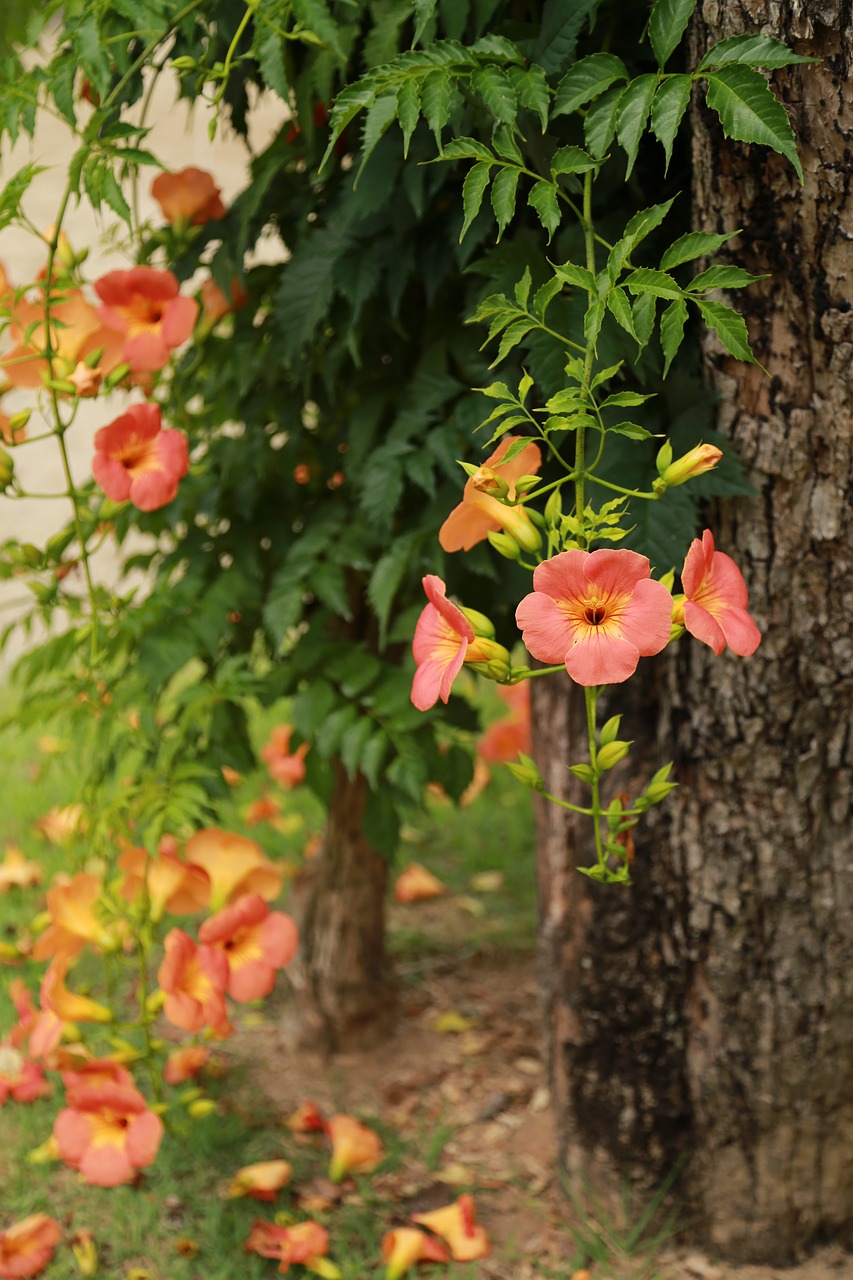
<point>342,990</point>
<point>710,1008</point>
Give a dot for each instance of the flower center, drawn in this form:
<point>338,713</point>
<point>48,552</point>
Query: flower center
<point>594,614</point>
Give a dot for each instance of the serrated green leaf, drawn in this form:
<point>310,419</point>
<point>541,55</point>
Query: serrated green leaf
<point>353,742</point>
<point>316,17</point>
<point>619,307</point>
<point>378,119</point>
<point>311,706</point>
<point>385,581</point>
<point>522,288</point>
<point>328,737</point>
<point>696,244</point>
<point>473,190</point>
<point>572,274</point>
<point>644,317</point>
<point>495,88</point>
<point>667,25</point>
<point>505,144</point>
<point>503,193</point>
<point>750,112</point>
<point>408,111</point>
<point>545,295</point>
<point>648,280</point>
<point>114,197</point>
<point>730,328</point>
<point>723,278</point>
<point>592,321</point>
<point>543,198</point>
<point>372,757</point>
<point>633,431</point>
<point>599,126</point>
<point>572,160</point>
<point>668,108</point>
<point>532,89</point>
<point>559,26</point>
<point>634,106</point>
<point>586,80</point>
<point>604,375</point>
<point>435,102</point>
<point>624,400</point>
<point>672,324</point>
<point>424,10</point>
<point>511,338</point>
<point>467,149</point>
<point>754,51</point>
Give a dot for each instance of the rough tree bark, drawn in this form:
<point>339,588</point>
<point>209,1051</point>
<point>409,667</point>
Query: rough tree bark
<point>709,1008</point>
<point>342,990</point>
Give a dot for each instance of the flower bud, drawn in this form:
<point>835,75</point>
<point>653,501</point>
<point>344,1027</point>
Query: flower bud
<point>482,625</point>
<point>678,603</point>
<point>664,457</point>
<point>702,458</point>
<point>524,484</point>
<point>505,545</point>
<point>668,580</point>
<point>526,771</point>
<point>610,754</point>
<point>7,470</point>
<point>490,658</point>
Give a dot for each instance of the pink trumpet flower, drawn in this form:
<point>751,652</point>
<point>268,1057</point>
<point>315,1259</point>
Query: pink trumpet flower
<point>715,608</point>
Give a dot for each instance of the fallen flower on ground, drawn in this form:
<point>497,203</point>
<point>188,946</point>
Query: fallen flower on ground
<point>598,612</point>
<point>307,1118</point>
<point>254,943</point>
<point>404,1247</point>
<point>28,1246</point>
<point>261,1181</point>
<point>188,197</point>
<point>21,1079</point>
<point>305,1243</point>
<point>355,1147</point>
<point>715,609</point>
<point>456,1223</point>
<point>416,884</point>
<point>138,460</point>
<point>185,1064</point>
<point>144,306</point>
<point>107,1133</point>
<point>235,865</point>
<point>479,513</point>
<point>16,872</point>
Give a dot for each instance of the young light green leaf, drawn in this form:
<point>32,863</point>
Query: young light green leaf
<point>754,51</point>
<point>750,112</point>
<point>667,24</point>
<point>504,190</point>
<point>634,107</point>
<point>532,89</point>
<point>408,111</point>
<point>524,387</point>
<point>495,89</point>
<point>599,125</point>
<point>668,109</point>
<point>572,160</point>
<point>696,244</point>
<point>624,399</point>
<point>672,324</point>
<point>730,328</point>
<point>545,295</point>
<point>467,149</point>
<point>604,375</point>
<point>723,278</point>
<point>632,430</point>
<point>586,80</point>
<point>592,321</point>
<point>543,198</point>
<point>473,190</point>
<point>644,316</point>
<point>435,102</point>
<point>647,280</point>
<point>511,338</point>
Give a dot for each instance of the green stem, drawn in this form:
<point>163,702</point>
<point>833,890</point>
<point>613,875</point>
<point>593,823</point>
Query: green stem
<point>628,493</point>
<point>232,49</point>
<point>524,673</point>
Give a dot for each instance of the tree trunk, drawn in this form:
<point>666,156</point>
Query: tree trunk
<point>709,1008</point>
<point>342,991</point>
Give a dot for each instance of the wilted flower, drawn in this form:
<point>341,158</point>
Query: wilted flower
<point>715,609</point>
<point>28,1246</point>
<point>253,941</point>
<point>479,513</point>
<point>457,1224</point>
<point>144,306</point>
<point>188,197</point>
<point>302,1243</point>
<point>355,1148</point>
<point>139,460</point>
<point>599,612</point>
<point>107,1133</point>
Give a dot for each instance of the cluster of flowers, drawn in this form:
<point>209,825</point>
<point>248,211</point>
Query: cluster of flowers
<point>106,1129</point>
<point>128,335</point>
<point>595,612</point>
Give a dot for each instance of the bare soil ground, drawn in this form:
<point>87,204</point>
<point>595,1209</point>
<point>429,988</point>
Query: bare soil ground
<point>464,1085</point>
